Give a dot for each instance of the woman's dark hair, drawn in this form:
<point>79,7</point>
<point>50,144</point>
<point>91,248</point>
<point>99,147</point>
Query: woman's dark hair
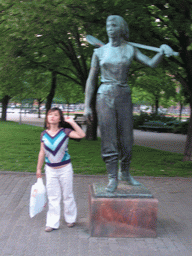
<point>61,123</point>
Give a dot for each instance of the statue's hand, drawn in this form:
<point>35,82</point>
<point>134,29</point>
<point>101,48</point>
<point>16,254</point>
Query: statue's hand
<point>88,114</point>
<point>166,49</point>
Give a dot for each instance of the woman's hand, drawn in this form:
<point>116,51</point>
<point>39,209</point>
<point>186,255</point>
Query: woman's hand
<point>166,49</point>
<point>38,173</point>
<point>88,114</point>
<point>77,133</point>
<point>69,119</point>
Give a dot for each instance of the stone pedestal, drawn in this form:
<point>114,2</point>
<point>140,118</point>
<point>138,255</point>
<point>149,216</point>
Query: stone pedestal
<point>129,212</point>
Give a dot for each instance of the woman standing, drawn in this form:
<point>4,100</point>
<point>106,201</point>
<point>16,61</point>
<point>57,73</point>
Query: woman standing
<point>114,106</point>
<point>59,172</point>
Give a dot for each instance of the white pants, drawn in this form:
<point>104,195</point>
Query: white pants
<point>60,181</point>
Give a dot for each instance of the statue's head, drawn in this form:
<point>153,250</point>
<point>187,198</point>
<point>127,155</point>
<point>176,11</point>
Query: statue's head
<point>122,24</point>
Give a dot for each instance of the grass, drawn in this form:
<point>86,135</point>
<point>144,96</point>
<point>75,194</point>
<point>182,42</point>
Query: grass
<point>19,148</point>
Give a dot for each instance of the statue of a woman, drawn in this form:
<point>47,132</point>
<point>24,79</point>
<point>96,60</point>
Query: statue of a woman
<point>114,106</point>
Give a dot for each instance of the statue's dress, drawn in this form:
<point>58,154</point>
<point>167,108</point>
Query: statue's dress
<point>114,106</point>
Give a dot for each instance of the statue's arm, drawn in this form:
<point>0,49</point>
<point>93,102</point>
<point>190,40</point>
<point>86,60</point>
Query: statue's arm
<point>90,86</point>
<point>153,62</point>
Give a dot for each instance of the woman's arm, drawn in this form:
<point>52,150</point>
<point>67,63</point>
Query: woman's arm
<point>40,162</point>
<point>165,50</point>
<point>78,133</point>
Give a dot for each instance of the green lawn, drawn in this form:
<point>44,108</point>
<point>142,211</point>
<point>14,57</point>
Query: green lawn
<point>19,148</point>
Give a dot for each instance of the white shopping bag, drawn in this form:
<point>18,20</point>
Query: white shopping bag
<point>38,198</point>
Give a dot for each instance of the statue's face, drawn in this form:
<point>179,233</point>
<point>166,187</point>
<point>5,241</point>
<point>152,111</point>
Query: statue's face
<point>113,28</point>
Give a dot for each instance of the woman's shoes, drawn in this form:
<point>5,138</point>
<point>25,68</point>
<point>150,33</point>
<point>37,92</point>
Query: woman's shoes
<point>70,225</point>
<point>49,229</point>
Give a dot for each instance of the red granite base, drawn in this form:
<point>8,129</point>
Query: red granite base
<point>122,217</point>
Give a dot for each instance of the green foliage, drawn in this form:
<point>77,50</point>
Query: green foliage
<point>155,86</point>
<point>141,97</point>
<point>180,127</point>
<point>51,35</point>
<point>140,119</point>
<point>68,92</point>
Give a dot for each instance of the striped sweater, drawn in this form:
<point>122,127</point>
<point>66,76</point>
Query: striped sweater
<point>56,147</point>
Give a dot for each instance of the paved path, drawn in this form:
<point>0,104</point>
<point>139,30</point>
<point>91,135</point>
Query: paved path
<point>164,141</point>
<point>20,235</point>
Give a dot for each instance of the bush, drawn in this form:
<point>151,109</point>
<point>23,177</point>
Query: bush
<point>144,117</point>
<point>177,126</point>
<point>139,120</point>
<point>161,117</point>
<point>181,127</point>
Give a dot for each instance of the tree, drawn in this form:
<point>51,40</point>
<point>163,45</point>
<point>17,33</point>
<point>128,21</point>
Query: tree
<point>141,96</point>
<point>174,28</point>
<point>39,83</point>
<point>10,71</point>
<point>181,99</point>
<point>158,84</point>
<point>69,92</point>
<point>46,36</point>
<point>11,83</point>
<point>51,35</point>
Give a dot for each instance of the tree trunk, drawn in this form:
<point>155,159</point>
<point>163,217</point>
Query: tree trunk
<point>188,144</point>
<point>52,91</point>
<point>67,108</point>
<point>180,110</point>
<point>39,105</point>
<point>156,104</point>
<point>5,102</point>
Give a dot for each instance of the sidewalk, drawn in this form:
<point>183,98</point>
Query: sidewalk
<point>21,235</point>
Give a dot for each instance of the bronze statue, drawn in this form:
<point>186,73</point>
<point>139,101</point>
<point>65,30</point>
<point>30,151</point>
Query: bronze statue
<point>114,106</point>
